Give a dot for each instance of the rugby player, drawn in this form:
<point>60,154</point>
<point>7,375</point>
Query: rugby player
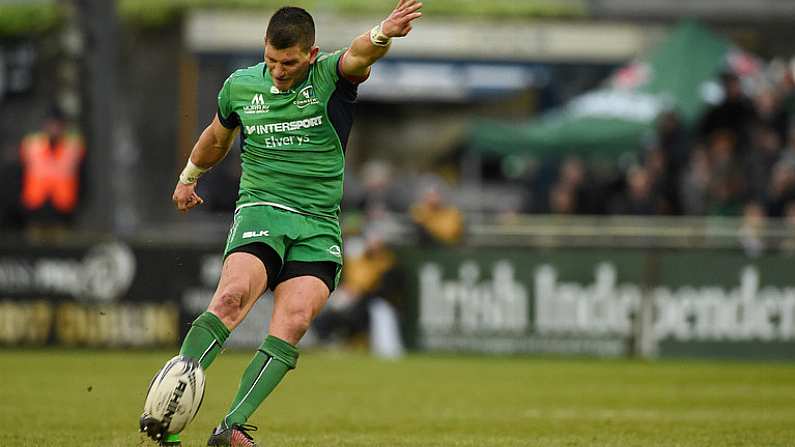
<point>294,113</point>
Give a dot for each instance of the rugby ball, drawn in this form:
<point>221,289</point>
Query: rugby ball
<point>174,397</point>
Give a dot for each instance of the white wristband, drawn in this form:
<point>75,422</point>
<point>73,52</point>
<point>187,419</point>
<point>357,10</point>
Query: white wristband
<point>378,38</point>
<point>191,173</point>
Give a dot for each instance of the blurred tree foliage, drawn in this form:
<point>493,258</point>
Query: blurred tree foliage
<point>30,18</point>
<point>27,19</point>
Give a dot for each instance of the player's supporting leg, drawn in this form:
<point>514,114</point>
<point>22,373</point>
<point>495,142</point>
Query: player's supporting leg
<point>243,280</point>
<point>296,302</point>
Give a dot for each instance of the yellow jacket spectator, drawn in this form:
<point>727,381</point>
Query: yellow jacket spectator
<point>436,220</point>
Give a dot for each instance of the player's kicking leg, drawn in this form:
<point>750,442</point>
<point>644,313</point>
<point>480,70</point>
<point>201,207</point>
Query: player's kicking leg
<point>296,303</point>
<point>242,282</point>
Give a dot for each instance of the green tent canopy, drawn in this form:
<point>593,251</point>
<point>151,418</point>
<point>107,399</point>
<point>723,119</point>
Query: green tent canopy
<point>613,119</point>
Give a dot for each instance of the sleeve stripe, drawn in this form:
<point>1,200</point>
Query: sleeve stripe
<point>230,122</point>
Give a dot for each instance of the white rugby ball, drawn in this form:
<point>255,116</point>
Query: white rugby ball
<point>175,394</point>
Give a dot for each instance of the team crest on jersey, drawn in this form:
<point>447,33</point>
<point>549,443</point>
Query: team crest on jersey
<point>306,97</point>
<point>257,105</point>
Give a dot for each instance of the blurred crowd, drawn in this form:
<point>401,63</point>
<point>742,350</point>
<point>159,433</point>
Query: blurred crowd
<point>738,158</point>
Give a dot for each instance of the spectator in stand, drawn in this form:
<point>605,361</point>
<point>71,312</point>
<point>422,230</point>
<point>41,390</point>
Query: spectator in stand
<point>639,199</point>
<point>765,152</point>
<point>436,220</point>
<point>656,166</point>
<point>376,179</point>
<point>781,190</point>
<point>374,193</point>
<point>727,187</point>
<point>371,275</point>
<point>771,113</point>
<point>562,199</point>
<point>725,198</point>
<point>52,161</point>
<point>572,192</point>
<point>736,114</point>
<point>673,146</point>
<point>574,175</point>
<point>695,183</point>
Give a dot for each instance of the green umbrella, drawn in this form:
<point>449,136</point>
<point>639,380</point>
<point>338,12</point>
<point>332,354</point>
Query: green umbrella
<point>613,119</point>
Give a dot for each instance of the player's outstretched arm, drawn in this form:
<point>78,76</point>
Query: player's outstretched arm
<point>373,45</point>
<point>212,146</point>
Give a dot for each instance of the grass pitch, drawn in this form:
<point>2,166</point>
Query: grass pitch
<point>93,398</point>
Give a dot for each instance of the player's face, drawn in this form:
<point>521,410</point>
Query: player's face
<point>288,66</point>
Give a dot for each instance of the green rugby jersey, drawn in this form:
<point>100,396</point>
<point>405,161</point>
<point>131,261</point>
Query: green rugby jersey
<point>293,143</point>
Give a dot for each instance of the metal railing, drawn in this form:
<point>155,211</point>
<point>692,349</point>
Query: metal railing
<point>530,231</point>
<point>630,231</point>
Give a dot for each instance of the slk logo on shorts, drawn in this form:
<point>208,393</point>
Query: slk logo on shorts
<point>335,250</point>
<point>250,234</point>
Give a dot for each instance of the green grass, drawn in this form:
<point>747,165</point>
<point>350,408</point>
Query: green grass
<point>93,398</point>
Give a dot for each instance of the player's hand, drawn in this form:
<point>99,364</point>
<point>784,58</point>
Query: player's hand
<point>398,24</point>
<point>185,197</point>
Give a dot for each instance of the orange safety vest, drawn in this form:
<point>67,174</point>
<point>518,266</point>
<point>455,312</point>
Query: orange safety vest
<point>51,172</point>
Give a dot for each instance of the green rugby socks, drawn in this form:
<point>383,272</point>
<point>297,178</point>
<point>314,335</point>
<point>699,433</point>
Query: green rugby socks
<point>270,363</point>
<point>205,339</point>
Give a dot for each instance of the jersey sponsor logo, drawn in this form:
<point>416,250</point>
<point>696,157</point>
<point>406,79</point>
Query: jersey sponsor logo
<point>261,233</point>
<point>264,129</point>
<point>335,250</point>
<point>257,105</point>
<point>306,97</point>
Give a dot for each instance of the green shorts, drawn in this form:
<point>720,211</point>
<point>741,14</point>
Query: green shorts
<point>293,236</point>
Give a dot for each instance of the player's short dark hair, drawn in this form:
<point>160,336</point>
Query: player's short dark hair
<point>289,26</point>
